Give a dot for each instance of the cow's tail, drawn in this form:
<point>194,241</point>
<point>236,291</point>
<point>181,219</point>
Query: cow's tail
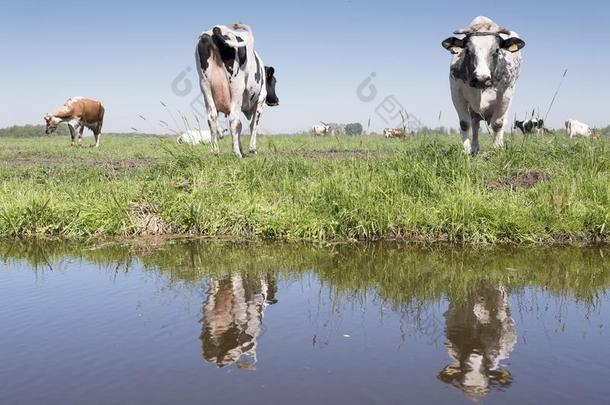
<point>248,42</point>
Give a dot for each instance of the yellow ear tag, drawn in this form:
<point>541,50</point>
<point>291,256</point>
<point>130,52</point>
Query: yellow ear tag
<point>455,50</point>
<point>513,48</point>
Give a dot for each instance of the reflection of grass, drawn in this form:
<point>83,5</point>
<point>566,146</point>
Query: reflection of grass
<point>399,276</point>
<point>301,188</point>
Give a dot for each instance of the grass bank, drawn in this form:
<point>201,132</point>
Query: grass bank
<point>539,190</point>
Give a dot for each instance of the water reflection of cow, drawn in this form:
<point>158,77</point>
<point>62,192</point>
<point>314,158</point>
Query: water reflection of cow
<point>233,317</point>
<point>480,334</point>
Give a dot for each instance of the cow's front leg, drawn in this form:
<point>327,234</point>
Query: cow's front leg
<point>476,127</point>
<point>80,135</point>
<point>498,128</point>
<point>254,126</point>
<point>461,106</point>
<point>73,127</point>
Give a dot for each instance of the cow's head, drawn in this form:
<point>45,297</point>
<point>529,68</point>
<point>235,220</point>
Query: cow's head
<point>272,99</point>
<point>479,53</point>
<point>52,123</point>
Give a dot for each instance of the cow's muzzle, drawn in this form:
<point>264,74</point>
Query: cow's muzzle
<point>482,83</point>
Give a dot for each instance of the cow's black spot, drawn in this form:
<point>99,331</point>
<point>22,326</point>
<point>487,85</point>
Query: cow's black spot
<point>205,47</point>
<point>464,126</point>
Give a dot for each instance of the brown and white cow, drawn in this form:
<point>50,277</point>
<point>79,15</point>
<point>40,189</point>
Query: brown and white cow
<point>394,133</point>
<point>233,80</point>
<point>79,113</point>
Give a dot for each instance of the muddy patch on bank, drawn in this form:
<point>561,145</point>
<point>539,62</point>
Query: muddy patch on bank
<point>524,180</point>
<point>56,162</point>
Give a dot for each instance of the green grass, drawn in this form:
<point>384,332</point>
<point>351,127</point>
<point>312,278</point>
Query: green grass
<point>313,189</point>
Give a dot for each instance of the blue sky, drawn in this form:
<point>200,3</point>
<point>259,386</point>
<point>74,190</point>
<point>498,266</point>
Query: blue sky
<point>133,54</point>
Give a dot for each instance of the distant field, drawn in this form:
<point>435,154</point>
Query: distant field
<point>539,190</point>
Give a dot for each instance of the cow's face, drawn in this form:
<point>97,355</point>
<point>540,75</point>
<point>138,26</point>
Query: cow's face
<point>272,99</point>
<point>52,123</point>
<point>478,56</point>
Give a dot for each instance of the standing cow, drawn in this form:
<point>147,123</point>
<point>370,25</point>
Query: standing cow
<point>78,112</point>
<point>531,126</point>
<point>320,130</point>
<point>576,128</point>
<point>484,71</point>
<point>233,80</point>
<point>394,133</point>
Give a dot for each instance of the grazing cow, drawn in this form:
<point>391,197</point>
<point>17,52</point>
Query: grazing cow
<point>194,137</point>
<point>320,130</point>
<point>484,71</point>
<point>78,112</point>
<point>576,128</point>
<point>394,132</point>
<point>531,126</point>
<point>233,80</point>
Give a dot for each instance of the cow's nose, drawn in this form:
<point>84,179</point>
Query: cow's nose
<point>484,80</point>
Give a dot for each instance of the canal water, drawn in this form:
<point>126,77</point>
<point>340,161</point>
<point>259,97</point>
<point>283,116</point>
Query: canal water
<point>220,323</point>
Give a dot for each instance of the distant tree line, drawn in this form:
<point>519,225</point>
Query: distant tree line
<point>30,131</point>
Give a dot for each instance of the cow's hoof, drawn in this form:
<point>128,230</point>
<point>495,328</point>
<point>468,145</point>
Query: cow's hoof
<point>253,151</point>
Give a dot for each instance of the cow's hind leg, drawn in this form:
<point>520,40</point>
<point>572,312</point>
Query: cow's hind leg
<point>97,133</point>
<point>235,129</point>
<point>212,114</point>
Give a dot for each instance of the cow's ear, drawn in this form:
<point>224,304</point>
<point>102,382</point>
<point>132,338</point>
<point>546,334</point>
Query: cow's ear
<point>453,45</point>
<point>513,44</point>
<point>269,71</point>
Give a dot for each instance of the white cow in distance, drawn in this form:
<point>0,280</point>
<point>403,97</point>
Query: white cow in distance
<point>320,130</point>
<point>576,128</point>
<point>194,138</point>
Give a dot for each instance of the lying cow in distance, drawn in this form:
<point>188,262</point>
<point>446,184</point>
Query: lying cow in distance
<point>320,130</point>
<point>394,132</point>
<point>484,71</point>
<point>233,80</point>
<point>194,138</point>
<point>78,112</point>
<point>576,128</point>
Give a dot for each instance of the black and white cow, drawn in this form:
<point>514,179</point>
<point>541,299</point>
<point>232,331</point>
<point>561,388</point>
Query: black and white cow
<point>233,80</point>
<point>484,71</point>
<point>531,126</point>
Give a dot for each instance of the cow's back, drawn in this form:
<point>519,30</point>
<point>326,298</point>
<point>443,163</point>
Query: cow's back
<point>90,111</point>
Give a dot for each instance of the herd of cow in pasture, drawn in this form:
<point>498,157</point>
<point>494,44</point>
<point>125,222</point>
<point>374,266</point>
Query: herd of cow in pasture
<point>234,81</point>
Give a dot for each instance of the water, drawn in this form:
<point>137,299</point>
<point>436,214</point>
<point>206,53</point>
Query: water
<point>264,324</point>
